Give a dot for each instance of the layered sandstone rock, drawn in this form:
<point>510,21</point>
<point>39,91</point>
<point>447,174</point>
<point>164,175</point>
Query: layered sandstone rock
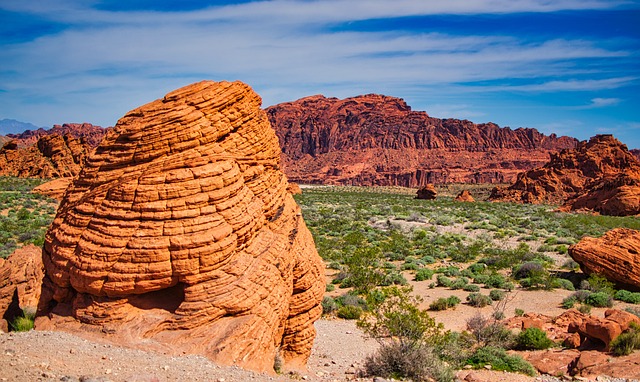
<point>54,188</point>
<point>615,255</point>
<point>180,233</point>
<point>464,196</point>
<point>20,283</point>
<point>378,140</point>
<point>52,156</point>
<point>427,192</point>
<point>599,175</point>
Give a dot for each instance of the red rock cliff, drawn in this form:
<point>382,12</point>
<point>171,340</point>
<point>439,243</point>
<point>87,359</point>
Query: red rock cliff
<point>377,140</point>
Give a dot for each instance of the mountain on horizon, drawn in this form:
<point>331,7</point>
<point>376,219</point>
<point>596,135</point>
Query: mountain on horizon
<point>12,126</point>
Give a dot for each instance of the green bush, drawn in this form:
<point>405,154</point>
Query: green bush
<point>478,300</point>
<point>330,288</point>
<point>495,281</point>
<point>471,288</point>
<point>533,339</point>
<point>496,294</point>
<point>626,342</point>
<point>500,360</point>
<point>562,283</point>
<point>442,280</point>
<point>584,309</point>
<point>600,300</point>
<point>460,283</point>
<point>424,274</point>
<point>444,303</point>
<point>23,323</point>
<point>519,312</point>
<point>568,302</point>
<point>329,305</point>
<point>349,312</point>
<point>626,296</point>
<point>449,271</point>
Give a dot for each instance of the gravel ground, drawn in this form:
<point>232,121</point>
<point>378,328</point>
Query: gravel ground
<point>339,351</point>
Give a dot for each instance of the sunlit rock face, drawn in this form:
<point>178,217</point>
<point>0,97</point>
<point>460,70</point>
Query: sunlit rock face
<point>180,230</point>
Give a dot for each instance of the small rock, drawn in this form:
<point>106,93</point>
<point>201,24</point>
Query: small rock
<point>47,374</point>
<point>467,367</point>
<point>9,352</point>
<point>72,351</point>
<point>221,379</point>
<point>165,367</point>
<point>68,378</point>
<point>488,367</point>
<point>108,371</point>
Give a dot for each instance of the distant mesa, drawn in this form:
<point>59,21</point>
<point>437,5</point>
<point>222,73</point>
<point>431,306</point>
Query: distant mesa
<point>600,175</point>
<point>180,234</point>
<point>374,139</point>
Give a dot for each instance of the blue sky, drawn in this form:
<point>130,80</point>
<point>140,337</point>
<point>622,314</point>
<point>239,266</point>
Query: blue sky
<point>562,66</point>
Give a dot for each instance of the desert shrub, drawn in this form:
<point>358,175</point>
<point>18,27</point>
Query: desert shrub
<point>23,323</point>
<point>496,294</point>
<point>633,310</point>
<point>329,305</point>
<point>600,300</point>
<point>519,312</point>
<point>460,283</point>
<point>477,268</point>
<point>480,279</point>
<point>428,259</point>
<point>449,271</point>
<point>444,303</point>
<point>584,309</point>
<point>562,283</point>
<point>527,270</point>
<point>410,266</point>
<point>349,312</point>
<point>581,295</point>
<point>626,296</point>
<point>442,280</point>
<point>330,288</point>
<point>478,300</point>
<point>363,272</point>
<point>397,361</point>
<point>571,264</point>
<point>488,332</point>
<point>568,302</point>
<point>495,281</point>
<point>424,274</point>
<point>500,360</point>
<point>598,283</point>
<point>533,339</point>
<point>626,342</point>
<point>471,288</point>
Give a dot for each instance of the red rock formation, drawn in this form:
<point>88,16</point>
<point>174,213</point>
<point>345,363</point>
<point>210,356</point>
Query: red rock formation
<point>464,196</point>
<point>615,255</point>
<point>377,140</point>
<point>52,156</point>
<point>180,234</point>
<point>54,189</point>
<point>20,283</point>
<point>599,175</point>
<point>90,134</point>
<point>427,192</point>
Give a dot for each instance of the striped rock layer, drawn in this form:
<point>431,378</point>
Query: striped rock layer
<point>180,230</point>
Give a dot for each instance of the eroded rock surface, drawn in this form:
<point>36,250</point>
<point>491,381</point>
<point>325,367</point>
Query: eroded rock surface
<point>464,196</point>
<point>378,140</point>
<point>180,234</point>
<point>20,283</point>
<point>600,175</point>
<point>616,255</point>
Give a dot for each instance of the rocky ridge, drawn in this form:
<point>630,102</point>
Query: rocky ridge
<point>179,234</point>
<point>599,175</point>
<point>378,140</point>
<point>91,134</point>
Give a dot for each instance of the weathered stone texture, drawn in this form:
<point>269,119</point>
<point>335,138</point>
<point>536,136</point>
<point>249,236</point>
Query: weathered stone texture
<point>180,228</point>
<point>615,255</point>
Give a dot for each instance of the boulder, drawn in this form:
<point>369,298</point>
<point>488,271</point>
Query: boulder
<point>552,361</point>
<point>20,282</point>
<point>180,235</point>
<point>615,255</point>
<point>427,192</point>
<point>464,196</point>
<point>53,189</point>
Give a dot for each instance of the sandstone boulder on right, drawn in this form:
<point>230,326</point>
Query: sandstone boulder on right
<point>427,192</point>
<point>615,255</point>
